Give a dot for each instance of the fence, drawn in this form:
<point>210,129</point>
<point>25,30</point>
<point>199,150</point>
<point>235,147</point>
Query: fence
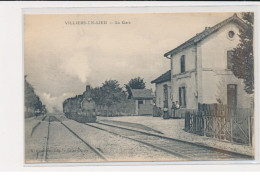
<point>125,108</point>
<point>221,122</point>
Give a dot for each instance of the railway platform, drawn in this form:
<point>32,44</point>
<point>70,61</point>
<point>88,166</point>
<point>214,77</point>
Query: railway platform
<point>173,128</point>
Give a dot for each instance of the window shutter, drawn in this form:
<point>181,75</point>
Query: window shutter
<point>184,96</point>
<point>180,100</point>
<point>229,57</point>
<point>182,63</point>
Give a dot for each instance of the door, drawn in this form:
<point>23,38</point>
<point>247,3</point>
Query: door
<point>232,95</point>
<point>165,96</point>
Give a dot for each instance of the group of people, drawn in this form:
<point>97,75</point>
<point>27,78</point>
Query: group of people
<point>175,106</point>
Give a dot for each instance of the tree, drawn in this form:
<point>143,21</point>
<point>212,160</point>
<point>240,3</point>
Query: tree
<point>31,100</point>
<point>112,93</point>
<point>243,56</point>
<point>135,83</point>
<point>97,96</point>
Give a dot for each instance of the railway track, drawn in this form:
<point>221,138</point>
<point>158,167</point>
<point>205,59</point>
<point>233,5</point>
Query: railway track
<point>35,127</point>
<point>40,153</point>
<point>45,151</point>
<point>184,150</point>
<point>93,149</point>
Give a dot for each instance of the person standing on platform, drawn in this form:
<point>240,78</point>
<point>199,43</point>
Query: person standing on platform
<point>177,106</point>
<point>173,109</point>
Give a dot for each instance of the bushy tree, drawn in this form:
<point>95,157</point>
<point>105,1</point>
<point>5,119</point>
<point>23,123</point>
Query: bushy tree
<point>97,95</point>
<point>31,100</point>
<point>111,95</point>
<point>111,92</point>
<point>135,83</point>
<point>243,55</point>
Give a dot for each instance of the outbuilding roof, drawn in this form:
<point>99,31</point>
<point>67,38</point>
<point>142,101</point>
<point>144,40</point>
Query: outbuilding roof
<point>163,78</point>
<point>142,94</point>
<point>207,32</point>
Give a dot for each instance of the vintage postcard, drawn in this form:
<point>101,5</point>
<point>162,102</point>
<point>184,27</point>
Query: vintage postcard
<point>139,87</point>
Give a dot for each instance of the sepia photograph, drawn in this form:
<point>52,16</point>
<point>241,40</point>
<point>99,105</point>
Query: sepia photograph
<point>138,87</point>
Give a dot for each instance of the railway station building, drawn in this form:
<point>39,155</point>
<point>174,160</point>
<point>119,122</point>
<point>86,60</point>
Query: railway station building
<point>200,70</point>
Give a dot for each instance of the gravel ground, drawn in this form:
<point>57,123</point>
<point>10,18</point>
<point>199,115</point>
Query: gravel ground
<point>116,148</point>
<point>63,146</point>
<point>174,128</point>
<point>34,144</point>
<point>188,151</point>
<point>133,125</point>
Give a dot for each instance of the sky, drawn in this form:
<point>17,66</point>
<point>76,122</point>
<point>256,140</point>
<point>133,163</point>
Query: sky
<point>60,58</point>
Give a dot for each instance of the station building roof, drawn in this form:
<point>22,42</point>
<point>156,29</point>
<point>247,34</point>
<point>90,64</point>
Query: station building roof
<point>163,78</point>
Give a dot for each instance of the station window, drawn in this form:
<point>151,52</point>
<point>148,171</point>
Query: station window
<point>182,63</point>
<point>231,34</point>
<point>229,59</point>
<point>182,96</point>
<point>140,102</point>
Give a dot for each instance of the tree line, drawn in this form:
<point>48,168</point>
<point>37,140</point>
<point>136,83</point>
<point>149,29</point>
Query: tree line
<point>32,102</point>
<point>111,94</point>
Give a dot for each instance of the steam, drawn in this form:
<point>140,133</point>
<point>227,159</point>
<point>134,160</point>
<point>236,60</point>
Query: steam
<point>78,66</point>
<point>54,102</point>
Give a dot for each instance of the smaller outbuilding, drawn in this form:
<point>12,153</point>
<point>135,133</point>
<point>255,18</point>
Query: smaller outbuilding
<point>143,99</point>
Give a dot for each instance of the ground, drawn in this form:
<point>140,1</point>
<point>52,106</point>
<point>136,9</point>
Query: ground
<point>64,140</point>
<point>174,128</point>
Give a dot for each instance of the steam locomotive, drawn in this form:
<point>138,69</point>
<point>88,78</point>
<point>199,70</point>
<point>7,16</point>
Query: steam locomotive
<point>80,108</point>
